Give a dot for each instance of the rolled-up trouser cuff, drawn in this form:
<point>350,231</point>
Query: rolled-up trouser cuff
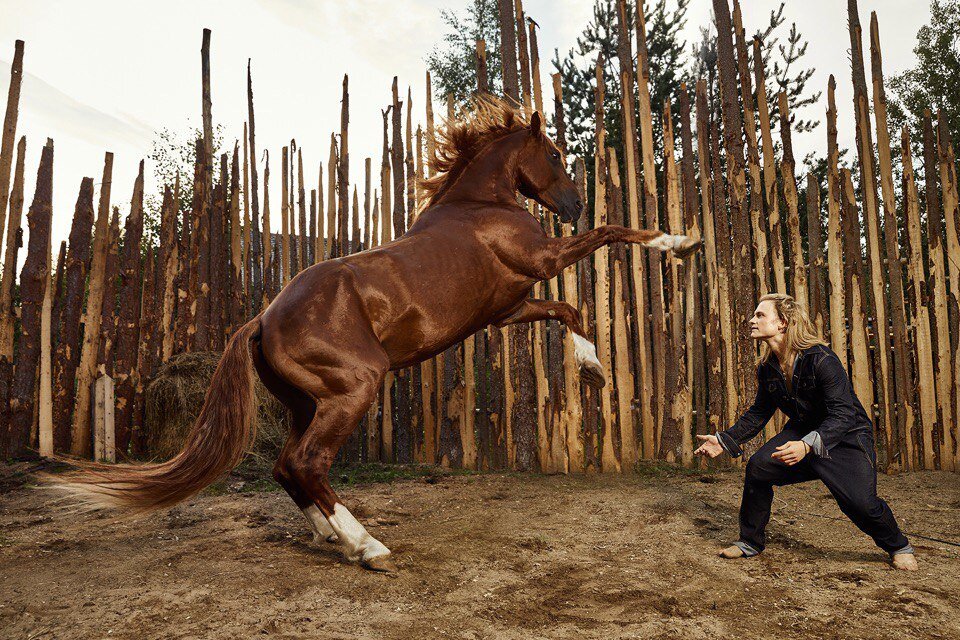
<point>748,551</point>
<point>906,549</point>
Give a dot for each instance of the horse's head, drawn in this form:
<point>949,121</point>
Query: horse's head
<point>542,175</point>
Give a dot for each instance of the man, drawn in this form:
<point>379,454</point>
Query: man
<point>829,435</point>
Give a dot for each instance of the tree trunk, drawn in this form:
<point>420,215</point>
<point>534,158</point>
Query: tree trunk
<point>9,135</point>
<point>508,50</point>
<point>838,328</point>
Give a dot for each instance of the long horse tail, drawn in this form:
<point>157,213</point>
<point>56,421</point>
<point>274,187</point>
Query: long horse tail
<point>218,440</point>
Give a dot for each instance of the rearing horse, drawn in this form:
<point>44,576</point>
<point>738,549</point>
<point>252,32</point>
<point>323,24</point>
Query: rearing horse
<point>325,343</point>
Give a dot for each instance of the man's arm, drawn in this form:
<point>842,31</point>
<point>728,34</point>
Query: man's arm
<point>841,416</point>
<point>750,423</point>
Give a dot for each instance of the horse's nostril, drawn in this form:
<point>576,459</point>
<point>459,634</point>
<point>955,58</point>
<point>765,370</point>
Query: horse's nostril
<point>579,205</point>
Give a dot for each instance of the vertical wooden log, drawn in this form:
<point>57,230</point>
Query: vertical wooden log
<point>836,270</point>
<point>693,317</point>
<point>259,248</point>
<point>80,431</point>
<point>798,271</point>
<point>714,337</point>
<point>128,319</point>
<point>397,166</point>
<point>744,296</point>
<point>755,203</point>
<point>856,304</point>
<point>374,437</point>
<point>508,50</point>
<point>638,276</point>
<point>523,58</point>
<point>877,303</point>
<point>236,314</point>
<point>343,168</point>
<point>67,356</point>
<point>583,444</point>
<point>818,264</point>
<point>920,303</point>
<point>620,294</point>
<point>57,294</point>
<point>651,220</point>
<point>312,236</point>
<point>271,266</point>
<point>951,208</point>
<point>284,265</point>
<point>303,248</point>
<point>332,248</point>
<point>109,318</point>
<point>45,394</point>
<point>146,358</point>
<point>10,263</point>
<point>367,222</point>
<point>34,282</point>
<point>677,439</point>
<point>901,453</point>
<point>771,202</point>
<point>321,239</point>
<point>246,233</point>
<point>401,405</point>
<point>480,60</point>
<point>385,181</point>
<point>169,256</point>
<point>9,135</point>
<point>103,420</point>
<point>939,319</point>
<point>207,125</point>
<point>723,238</point>
<point>219,260</point>
<point>200,256</point>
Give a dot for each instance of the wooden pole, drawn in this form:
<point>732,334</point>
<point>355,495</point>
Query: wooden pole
<point>940,323</point>
<point>128,320</point>
<point>715,340</point>
<point>103,420</point>
<point>523,58</point>
<point>836,270</point>
<point>303,249</point>
<point>333,248</point>
<point>67,356</point>
<point>583,445</point>
<point>270,266</point>
<point>651,220</point>
<point>868,185</point>
<point>108,311</point>
<point>755,202</point>
<point>818,264</point>
<point>80,431</point>
<point>901,444</point>
<point>917,293</point>
<point>284,265</point>
<point>856,304</point>
<point>45,395</point>
<point>237,314</point>
<point>10,259</point>
<point>508,50</point>
<point>788,174</point>
<point>343,168</point>
<point>743,298</point>
<point>34,282</point>
<point>951,208</point>
<point>260,247</point>
<point>169,256</point>
<point>9,135</point>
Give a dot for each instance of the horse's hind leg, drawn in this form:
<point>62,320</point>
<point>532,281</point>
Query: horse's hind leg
<point>344,394</point>
<point>302,407</point>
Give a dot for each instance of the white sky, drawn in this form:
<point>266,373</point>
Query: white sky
<point>104,74</point>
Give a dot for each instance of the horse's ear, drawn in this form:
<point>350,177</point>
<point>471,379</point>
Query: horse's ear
<point>536,123</point>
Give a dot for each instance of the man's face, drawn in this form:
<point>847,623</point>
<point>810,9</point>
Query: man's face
<point>765,322</point>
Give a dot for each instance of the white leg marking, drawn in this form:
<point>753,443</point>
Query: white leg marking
<point>585,351</point>
<point>357,543</point>
<point>667,242</point>
<point>322,531</point>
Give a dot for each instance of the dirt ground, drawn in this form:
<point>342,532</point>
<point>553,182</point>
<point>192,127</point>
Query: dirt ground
<point>484,556</point>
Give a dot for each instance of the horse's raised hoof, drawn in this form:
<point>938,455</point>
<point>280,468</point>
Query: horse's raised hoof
<point>381,564</point>
<point>593,375</point>
<point>687,247</point>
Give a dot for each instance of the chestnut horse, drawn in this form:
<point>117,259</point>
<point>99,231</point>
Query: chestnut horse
<point>325,343</point>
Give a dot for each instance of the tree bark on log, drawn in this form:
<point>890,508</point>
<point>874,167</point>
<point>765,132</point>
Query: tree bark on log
<point>9,135</point>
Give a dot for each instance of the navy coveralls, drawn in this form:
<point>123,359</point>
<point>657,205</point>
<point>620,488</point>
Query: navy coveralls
<point>825,413</point>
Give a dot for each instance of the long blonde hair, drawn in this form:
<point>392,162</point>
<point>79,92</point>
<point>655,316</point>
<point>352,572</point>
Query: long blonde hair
<point>801,331</point>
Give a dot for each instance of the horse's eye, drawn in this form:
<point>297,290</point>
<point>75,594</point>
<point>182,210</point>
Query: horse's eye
<point>556,155</point>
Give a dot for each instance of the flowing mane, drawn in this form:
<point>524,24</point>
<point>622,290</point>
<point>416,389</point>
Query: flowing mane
<point>487,117</point>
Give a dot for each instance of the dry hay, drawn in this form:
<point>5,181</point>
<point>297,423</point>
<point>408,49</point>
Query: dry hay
<point>174,398</point>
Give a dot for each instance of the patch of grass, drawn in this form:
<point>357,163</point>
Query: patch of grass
<point>346,475</point>
<point>662,468</point>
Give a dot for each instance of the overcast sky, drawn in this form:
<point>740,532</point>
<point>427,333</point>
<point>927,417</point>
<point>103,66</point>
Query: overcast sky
<point>106,74</point>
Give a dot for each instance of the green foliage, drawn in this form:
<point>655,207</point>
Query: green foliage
<point>932,83</point>
<point>453,65</point>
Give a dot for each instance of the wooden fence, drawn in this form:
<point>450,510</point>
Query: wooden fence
<point>881,276</point>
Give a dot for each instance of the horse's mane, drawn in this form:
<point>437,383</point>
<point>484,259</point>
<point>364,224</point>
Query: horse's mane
<point>486,117</point>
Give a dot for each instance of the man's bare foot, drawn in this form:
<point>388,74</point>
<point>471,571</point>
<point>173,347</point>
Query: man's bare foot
<point>731,552</point>
<point>904,562</point>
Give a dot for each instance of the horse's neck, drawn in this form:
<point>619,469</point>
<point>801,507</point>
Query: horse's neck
<point>490,177</point>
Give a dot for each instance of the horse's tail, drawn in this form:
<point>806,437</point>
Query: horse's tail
<point>217,442</point>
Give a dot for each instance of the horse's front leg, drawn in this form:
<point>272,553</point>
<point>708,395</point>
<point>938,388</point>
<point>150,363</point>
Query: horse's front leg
<point>584,350</point>
<point>559,253</point>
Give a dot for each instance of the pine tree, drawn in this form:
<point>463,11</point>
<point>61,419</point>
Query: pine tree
<point>453,65</point>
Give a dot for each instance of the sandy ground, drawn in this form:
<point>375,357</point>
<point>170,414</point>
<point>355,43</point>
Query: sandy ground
<point>484,556</point>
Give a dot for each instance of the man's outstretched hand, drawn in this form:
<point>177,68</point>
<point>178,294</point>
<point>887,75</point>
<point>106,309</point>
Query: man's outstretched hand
<point>790,453</point>
<point>710,446</point>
